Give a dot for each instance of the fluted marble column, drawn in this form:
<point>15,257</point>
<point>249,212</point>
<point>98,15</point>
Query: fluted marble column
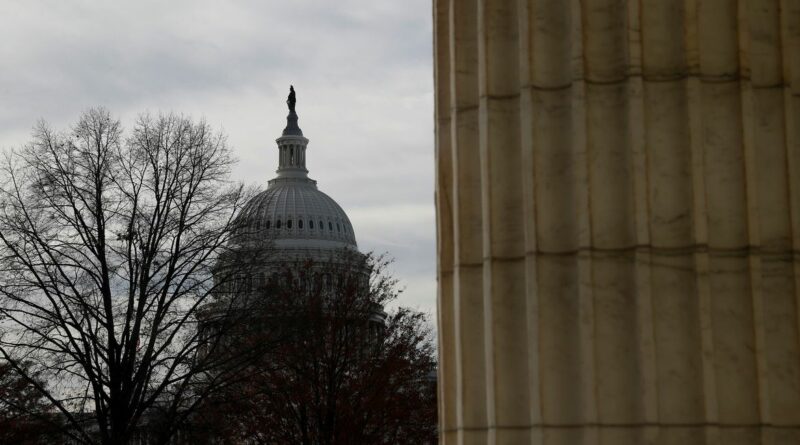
<point>618,202</point>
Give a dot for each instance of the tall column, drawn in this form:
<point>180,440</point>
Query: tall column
<point>618,208</point>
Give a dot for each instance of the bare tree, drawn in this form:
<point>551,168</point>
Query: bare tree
<point>107,251</point>
<point>346,372</point>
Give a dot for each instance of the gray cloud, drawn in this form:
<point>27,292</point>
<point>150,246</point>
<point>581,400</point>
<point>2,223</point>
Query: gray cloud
<point>362,71</point>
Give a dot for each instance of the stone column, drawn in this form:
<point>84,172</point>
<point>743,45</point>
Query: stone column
<point>618,217</point>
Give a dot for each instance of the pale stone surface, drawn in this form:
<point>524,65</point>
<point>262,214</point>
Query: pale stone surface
<point>618,217</point>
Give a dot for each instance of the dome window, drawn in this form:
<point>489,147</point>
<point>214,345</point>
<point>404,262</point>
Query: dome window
<point>321,225</point>
<point>267,226</point>
<point>310,223</point>
<point>330,226</point>
<point>338,228</point>
<point>278,224</point>
<point>289,224</point>
<point>299,223</point>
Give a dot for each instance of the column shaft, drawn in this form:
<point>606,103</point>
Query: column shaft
<point>618,218</point>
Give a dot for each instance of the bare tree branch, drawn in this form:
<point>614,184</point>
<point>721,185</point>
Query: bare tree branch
<point>107,251</point>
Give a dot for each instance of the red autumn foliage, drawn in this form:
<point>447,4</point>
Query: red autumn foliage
<point>340,373</point>
<point>20,402</point>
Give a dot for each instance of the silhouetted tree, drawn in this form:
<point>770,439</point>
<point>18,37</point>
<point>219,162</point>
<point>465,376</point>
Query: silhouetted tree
<point>344,372</point>
<point>107,251</point>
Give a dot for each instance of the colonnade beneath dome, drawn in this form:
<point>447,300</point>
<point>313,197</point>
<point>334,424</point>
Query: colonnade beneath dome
<point>618,218</point>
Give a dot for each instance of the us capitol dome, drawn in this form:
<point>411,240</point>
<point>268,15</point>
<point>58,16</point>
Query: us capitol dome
<point>292,213</point>
<point>291,223</point>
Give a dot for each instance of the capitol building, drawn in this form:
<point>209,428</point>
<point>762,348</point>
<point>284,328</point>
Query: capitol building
<point>291,228</point>
<point>299,219</point>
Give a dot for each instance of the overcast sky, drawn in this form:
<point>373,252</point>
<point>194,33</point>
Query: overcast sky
<point>362,70</point>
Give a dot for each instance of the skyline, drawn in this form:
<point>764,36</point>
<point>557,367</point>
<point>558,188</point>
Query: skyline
<point>364,99</point>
